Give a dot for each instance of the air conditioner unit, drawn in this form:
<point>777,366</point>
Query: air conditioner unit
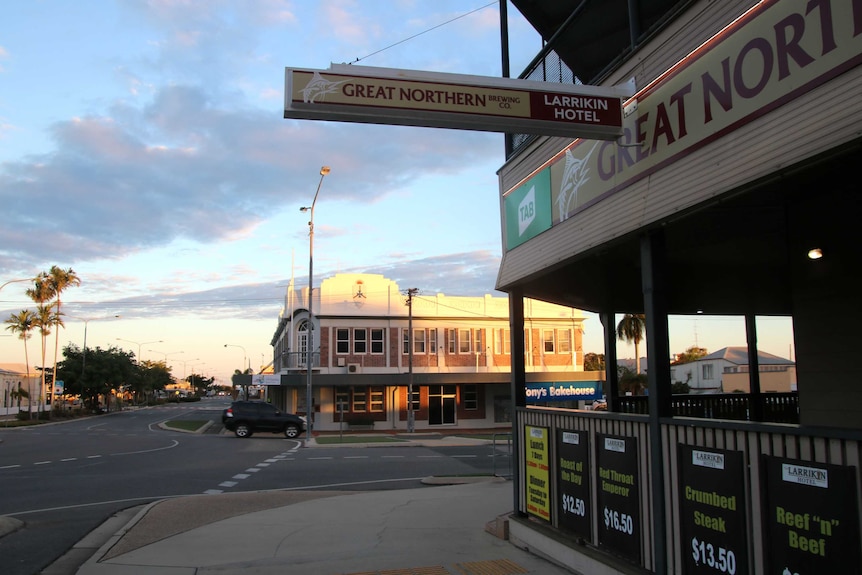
<point>340,362</point>
<point>354,368</point>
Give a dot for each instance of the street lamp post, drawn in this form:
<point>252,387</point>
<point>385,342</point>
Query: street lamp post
<point>245,359</point>
<point>185,364</point>
<point>165,354</point>
<point>4,284</point>
<point>139,344</point>
<point>309,406</point>
<point>84,349</point>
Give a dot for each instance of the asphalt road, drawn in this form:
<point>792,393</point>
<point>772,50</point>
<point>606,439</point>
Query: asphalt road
<point>62,480</point>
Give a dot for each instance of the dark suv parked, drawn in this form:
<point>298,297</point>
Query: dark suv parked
<point>245,418</point>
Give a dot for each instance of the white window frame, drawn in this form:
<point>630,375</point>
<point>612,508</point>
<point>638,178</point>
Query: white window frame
<point>378,341</point>
<point>339,340</point>
<point>361,341</point>
<point>465,340</point>
<point>564,341</point>
<point>502,342</point>
<point>549,342</point>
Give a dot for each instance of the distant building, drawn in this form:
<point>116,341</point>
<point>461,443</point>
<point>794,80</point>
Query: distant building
<point>12,376</point>
<point>459,356</point>
<point>726,370</point>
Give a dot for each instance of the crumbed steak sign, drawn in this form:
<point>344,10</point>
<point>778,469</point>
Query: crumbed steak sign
<point>386,96</point>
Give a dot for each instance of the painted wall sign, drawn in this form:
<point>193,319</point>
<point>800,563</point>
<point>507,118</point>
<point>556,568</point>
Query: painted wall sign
<point>364,94</point>
<point>574,507</point>
<point>618,503</point>
<point>775,53</point>
<point>564,391</point>
<point>713,515</point>
<point>538,485</point>
<point>528,210</point>
<point>811,521</point>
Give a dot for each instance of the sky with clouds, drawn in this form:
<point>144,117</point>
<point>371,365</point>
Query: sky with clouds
<point>143,144</point>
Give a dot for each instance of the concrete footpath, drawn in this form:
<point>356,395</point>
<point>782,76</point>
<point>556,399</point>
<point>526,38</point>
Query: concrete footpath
<point>453,526</point>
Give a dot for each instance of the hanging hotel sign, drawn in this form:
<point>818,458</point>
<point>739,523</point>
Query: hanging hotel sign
<point>364,94</point>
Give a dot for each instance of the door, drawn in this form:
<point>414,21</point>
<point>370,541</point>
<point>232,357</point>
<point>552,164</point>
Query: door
<point>442,400</point>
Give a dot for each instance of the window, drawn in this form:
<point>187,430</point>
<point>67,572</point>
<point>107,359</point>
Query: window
<point>432,341</point>
<point>342,399</point>
<point>360,401</point>
<point>502,342</point>
<point>548,340</point>
<point>377,399</point>
<point>478,336</point>
<point>471,396</point>
<point>360,343</point>
<point>305,343</point>
<point>464,341</point>
<point>564,341</point>
<point>450,337</point>
<point>419,341</point>
<point>707,371</point>
<point>342,341</point>
<point>415,398</point>
<point>377,337</point>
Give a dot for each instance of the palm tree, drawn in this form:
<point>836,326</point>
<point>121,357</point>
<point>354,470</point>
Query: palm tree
<point>46,318</point>
<point>60,280</point>
<point>22,323</point>
<point>18,394</point>
<point>42,292</point>
<point>631,329</point>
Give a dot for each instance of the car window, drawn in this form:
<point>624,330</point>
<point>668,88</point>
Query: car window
<point>267,409</point>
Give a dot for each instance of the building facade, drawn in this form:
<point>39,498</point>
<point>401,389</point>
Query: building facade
<point>727,370</point>
<point>730,193</point>
<point>377,344</point>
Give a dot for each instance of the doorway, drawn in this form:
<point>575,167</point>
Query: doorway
<point>442,400</point>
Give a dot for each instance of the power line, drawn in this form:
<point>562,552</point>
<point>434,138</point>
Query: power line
<point>425,31</point>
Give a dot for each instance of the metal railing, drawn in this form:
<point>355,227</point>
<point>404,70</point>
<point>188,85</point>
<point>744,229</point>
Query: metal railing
<point>774,407</point>
<point>298,360</point>
<point>501,446</point>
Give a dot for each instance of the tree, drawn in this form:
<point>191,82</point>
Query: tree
<point>23,323</point>
<point>594,362</point>
<point>45,320</point>
<point>200,383</point>
<point>105,370</point>
<point>631,382</point>
<point>41,293</point>
<point>60,280</point>
<point>691,354</point>
<point>631,329</point>
<point>17,394</point>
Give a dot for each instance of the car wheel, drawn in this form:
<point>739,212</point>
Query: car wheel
<point>291,432</point>
<point>242,430</point>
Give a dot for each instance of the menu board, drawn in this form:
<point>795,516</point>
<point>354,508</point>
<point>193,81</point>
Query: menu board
<point>618,496</point>
<point>573,483</point>
<point>812,525</point>
<point>538,475</point>
<point>713,515</point>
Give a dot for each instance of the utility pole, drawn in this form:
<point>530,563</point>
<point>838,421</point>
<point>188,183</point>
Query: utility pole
<point>411,416</point>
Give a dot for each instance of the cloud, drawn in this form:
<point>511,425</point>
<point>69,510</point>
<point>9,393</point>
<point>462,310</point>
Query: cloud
<point>180,166</point>
<point>472,272</point>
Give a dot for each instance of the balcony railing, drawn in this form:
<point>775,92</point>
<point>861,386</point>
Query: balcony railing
<point>299,359</point>
<point>774,407</point>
